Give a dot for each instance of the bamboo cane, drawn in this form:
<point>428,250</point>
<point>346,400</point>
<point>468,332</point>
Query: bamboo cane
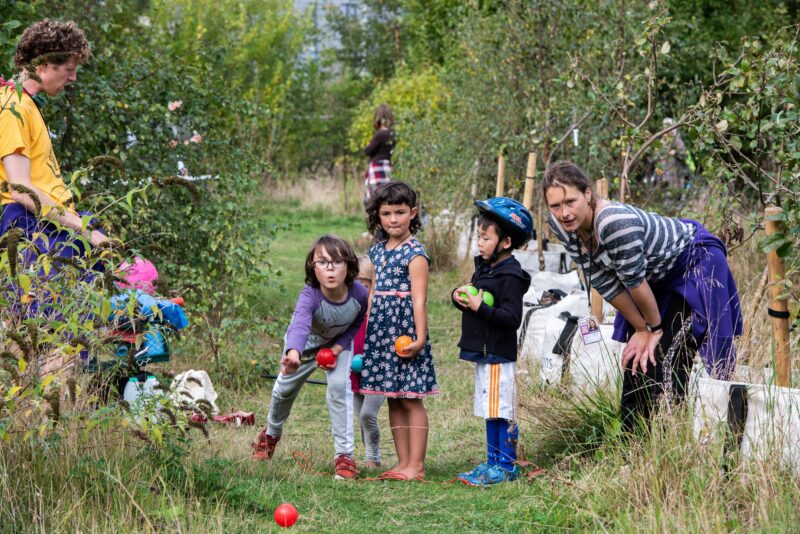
<point>530,174</point>
<point>778,306</point>
<point>501,176</point>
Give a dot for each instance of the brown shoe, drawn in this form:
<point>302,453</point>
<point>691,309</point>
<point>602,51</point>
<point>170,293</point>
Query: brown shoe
<point>345,467</point>
<point>265,446</point>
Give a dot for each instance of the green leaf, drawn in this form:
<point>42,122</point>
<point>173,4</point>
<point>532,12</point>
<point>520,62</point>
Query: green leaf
<point>772,243</point>
<point>25,282</point>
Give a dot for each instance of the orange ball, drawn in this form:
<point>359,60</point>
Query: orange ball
<point>401,344</point>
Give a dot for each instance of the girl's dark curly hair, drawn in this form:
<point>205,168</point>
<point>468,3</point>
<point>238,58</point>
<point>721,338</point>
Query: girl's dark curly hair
<point>51,41</point>
<point>394,193</point>
<point>338,249</point>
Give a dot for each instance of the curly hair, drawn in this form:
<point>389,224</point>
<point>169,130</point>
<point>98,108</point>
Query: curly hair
<point>394,193</point>
<point>51,41</point>
<point>338,249</point>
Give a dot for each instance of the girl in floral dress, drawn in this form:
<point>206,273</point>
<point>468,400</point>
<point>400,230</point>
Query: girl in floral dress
<point>399,308</point>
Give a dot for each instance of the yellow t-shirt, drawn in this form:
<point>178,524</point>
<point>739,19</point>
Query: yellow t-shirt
<point>30,138</point>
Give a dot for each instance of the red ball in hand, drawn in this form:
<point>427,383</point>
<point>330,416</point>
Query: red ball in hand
<point>326,358</point>
<point>285,514</point>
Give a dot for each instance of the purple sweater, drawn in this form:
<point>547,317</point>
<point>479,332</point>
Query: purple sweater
<point>317,322</point>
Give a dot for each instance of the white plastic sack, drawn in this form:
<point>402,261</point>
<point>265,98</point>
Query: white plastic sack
<point>192,386</point>
<point>772,427</point>
<point>543,281</point>
<point>597,366</point>
<point>532,337</point>
<point>709,401</point>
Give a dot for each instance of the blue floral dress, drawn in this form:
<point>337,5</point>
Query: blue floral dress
<point>391,316</point>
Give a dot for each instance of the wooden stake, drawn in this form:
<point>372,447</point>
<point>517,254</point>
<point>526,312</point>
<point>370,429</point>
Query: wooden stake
<point>780,326</point>
<point>501,176</point>
<point>530,174</point>
<point>623,185</point>
<point>601,190</point>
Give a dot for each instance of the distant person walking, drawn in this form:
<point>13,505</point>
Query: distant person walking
<point>379,150</point>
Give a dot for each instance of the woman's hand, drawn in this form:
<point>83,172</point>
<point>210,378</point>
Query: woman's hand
<point>640,349</point>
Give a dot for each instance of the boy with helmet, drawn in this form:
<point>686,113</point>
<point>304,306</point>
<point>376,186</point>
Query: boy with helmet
<point>491,307</point>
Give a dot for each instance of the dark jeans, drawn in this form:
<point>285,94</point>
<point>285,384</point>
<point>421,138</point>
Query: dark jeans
<point>640,391</point>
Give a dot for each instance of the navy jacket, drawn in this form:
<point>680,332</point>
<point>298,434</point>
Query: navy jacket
<point>490,334</point>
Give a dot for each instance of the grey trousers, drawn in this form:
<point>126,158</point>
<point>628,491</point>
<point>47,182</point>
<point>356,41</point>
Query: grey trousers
<point>367,407</point>
<point>339,397</point>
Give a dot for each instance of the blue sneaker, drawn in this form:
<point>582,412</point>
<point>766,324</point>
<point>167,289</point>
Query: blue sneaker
<point>496,475</point>
<point>475,474</point>
<point>493,475</point>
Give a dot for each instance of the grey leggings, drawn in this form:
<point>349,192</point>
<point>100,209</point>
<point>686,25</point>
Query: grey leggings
<point>339,397</point>
<point>366,408</point>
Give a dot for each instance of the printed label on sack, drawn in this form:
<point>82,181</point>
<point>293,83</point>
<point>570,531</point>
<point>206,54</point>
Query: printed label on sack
<point>589,328</point>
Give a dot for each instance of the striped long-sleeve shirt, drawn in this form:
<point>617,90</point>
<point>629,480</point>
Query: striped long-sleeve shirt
<point>633,246</point>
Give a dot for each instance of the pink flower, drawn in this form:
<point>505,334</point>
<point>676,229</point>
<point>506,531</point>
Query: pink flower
<point>7,83</point>
<point>196,138</point>
<point>175,104</point>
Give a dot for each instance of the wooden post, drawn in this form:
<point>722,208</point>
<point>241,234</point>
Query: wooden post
<point>501,176</point>
<point>601,190</point>
<point>623,185</point>
<point>780,325</point>
<point>530,174</point>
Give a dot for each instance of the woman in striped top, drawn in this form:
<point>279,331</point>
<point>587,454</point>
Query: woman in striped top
<point>668,278</point>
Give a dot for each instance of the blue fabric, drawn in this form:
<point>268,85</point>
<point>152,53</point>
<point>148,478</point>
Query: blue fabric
<point>492,440</point>
<point>703,278</point>
<point>501,443</point>
<point>51,238</point>
<point>172,313</point>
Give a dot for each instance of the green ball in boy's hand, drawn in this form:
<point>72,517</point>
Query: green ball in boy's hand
<point>488,298</point>
<point>472,290</point>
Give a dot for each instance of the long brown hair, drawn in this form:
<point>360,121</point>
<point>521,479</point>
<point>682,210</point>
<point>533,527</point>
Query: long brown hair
<point>383,117</point>
<point>566,174</point>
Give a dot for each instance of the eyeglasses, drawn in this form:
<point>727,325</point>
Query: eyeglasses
<point>324,264</point>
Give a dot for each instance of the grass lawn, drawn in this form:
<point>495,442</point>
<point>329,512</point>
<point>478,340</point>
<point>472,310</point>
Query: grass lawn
<point>302,470</point>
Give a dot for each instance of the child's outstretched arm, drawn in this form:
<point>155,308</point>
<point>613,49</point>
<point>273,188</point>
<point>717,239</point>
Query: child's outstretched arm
<point>298,330</point>
<point>419,273</point>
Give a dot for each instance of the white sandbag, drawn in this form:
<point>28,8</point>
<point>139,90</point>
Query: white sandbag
<point>709,401</point>
<point>772,427</point>
<point>551,365</point>
<point>531,339</point>
<point>597,366</point>
<point>192,386</point>
<point>543,281</point>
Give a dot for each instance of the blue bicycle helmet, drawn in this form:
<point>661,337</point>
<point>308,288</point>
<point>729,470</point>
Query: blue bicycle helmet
<point>512,217</point>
